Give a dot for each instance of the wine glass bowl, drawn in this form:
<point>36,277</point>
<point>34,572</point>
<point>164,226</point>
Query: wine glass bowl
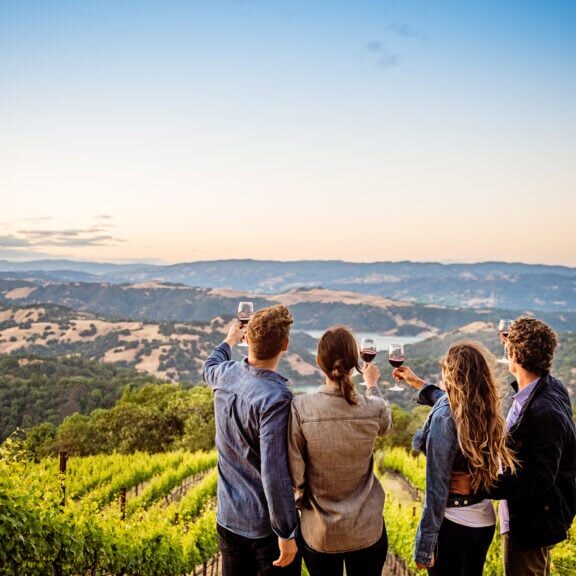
<point>503,329</point>
<point>245,311</point>
<point>368,352</point>
<point>396,359</point>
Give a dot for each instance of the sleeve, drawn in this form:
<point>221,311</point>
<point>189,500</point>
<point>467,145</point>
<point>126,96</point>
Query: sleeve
<point>429,395</point>
<point>274,469</point>
<point>441,449</point>
<point>297,457</point>
<point>212,365</point>
<point>537,474</point>
<point>386,412</point>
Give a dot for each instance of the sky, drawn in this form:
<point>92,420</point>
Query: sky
<point>363,130</point>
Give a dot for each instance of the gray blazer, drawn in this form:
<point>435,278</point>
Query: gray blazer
<point>330,451</point>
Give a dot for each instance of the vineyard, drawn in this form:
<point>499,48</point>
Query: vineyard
<point>145,515</point>
<point>402,521</point>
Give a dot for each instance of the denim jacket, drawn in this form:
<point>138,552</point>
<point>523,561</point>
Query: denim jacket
<point>438,441</point>
<point>252,407</point>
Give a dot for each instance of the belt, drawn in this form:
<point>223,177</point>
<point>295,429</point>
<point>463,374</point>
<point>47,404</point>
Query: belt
<point>459,500</point>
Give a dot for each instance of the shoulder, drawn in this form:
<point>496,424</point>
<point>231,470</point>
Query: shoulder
<point>441,419</point>
<point>441,410</point>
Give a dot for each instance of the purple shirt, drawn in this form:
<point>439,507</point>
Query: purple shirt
<point>518,401</point>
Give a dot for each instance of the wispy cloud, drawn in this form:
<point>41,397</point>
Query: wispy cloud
<point>11,241</point>
<point>406,31</point>
<point>38,219</point>
<point>385,58</point>
<point>34,239</point>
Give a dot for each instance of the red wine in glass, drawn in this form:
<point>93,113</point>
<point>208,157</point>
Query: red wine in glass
<point>367,352</point>
<point>367,356</point>
<point>396,359</point>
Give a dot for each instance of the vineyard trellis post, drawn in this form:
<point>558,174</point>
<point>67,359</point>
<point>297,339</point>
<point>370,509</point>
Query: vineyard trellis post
<point>57,568</point>
<point>63,462</point>
<point>123,503</point>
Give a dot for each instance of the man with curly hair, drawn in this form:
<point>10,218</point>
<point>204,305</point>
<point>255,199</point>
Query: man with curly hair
<point>539,500</point>
<point>257,518</point>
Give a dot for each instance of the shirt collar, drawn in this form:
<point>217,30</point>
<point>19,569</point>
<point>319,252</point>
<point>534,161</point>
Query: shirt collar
<point>524,394</point>
<point>329,389</point>
<point>263,372</point>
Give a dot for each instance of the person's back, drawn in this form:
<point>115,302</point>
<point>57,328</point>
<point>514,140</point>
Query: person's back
<point>342,495</point>
<point>539,499</point>
<point>242,396</point>
<point>331,442</point>
<point>257,518</point>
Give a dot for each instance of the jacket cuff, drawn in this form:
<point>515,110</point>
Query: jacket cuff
<point>224,347</point>
<point>428,395</point>
<point>425,548</point>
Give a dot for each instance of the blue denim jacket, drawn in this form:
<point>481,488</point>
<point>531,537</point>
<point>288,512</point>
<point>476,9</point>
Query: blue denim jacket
<point>252,407</point>
<point>438,440</point>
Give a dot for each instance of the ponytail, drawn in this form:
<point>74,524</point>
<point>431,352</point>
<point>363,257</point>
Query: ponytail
<point>337,355</point>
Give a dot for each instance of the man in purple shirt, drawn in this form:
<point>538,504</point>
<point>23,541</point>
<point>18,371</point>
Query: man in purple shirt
<point>539,500</point>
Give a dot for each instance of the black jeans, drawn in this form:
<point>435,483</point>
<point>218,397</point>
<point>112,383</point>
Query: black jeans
<point>461,550</point>
<point>364,562</point>
<point>243,556</point>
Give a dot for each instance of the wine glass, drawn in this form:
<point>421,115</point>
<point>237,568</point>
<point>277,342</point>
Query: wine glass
<point>245,311</point>
<point>396,359</point>
<point>503,329</point>
<point>367,352</point>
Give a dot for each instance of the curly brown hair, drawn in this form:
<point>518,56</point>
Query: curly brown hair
<point>268,331</point>
<point>531,343</point>
<point>337,356</point>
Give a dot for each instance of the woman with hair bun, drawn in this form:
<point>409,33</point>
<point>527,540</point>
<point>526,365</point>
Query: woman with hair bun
<point>330,447</point>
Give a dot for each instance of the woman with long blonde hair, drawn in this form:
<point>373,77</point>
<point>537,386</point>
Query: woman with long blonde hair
<point>464,433</point>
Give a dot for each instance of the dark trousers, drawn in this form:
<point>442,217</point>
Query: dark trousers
<point>461,550</point>
<point>251,557</point>
<point>365,562</point>
<point>533,562</point>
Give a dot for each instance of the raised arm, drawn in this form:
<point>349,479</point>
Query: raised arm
<point>371,375</point>
<point>222,353</point>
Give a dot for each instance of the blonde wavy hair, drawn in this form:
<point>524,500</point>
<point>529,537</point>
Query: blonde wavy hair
<point>475,402</point>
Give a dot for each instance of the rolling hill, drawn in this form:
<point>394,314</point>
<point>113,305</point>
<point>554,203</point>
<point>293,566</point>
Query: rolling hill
<point>503,285</point>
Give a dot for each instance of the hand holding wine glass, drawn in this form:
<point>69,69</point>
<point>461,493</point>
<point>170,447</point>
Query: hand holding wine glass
<point>367,353</point>
<point>245,311</point>
<point>235,334</point>
<point>396,359</point>
<point>503,330</point>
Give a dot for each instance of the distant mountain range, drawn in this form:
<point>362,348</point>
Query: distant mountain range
<point>510,286</point>
<point>312,308</point>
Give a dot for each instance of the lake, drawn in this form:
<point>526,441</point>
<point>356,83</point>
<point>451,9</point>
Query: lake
<point>382,341</point>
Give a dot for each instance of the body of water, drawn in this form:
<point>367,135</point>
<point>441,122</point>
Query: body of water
<point>382,341</point>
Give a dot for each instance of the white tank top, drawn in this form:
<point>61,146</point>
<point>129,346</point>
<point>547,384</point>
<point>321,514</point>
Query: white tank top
<point>474,516</point>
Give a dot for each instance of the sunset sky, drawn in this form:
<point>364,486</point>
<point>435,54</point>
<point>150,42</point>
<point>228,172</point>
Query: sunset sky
<point>362,130</point>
